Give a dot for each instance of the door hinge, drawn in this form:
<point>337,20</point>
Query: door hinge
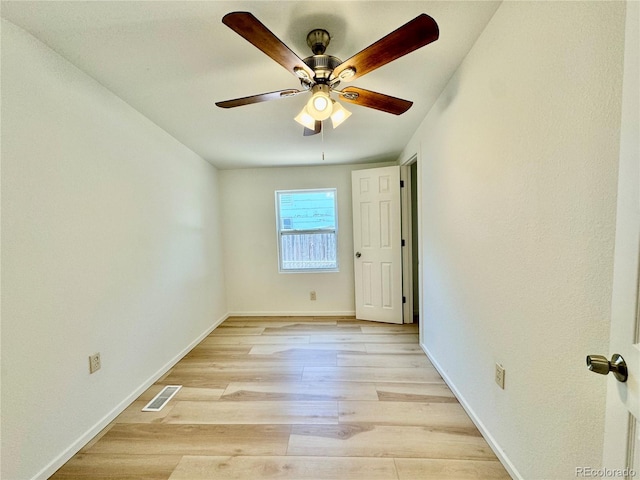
<point>401,183</point>
<point>402,243</point>
<point>404,299</point>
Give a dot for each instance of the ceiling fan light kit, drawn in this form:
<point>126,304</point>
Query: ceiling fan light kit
<point>334,110</point>
<point>320,74</point>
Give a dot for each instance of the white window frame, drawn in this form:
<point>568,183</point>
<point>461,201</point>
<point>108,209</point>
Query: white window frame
<point>281,232</point>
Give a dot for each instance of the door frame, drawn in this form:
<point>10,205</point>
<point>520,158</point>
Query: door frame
<point>406,227</point>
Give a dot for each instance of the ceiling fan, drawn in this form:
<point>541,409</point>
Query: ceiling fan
<point>321,74</point>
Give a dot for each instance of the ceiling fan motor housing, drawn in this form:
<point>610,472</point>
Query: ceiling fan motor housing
<point>323,66</point>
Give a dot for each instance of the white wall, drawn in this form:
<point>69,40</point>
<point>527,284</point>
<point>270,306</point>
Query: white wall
<point>518,163</point>
<point>110,243</point>
<point>254,285</point>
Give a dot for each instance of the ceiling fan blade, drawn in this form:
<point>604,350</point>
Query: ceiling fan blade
<point>417,33</point>
<point>379,101</point>
<point>308,132</point>
<point>252,30</point>
<point>263,97</point>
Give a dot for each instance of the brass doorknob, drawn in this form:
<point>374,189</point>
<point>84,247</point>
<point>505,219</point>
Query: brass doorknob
<point>358,254</point>
<point>617,365</point>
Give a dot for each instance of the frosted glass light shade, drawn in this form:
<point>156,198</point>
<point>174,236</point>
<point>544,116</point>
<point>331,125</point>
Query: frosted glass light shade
<point>339,115</point>
<point>305,119</point>
<point>319,106</point>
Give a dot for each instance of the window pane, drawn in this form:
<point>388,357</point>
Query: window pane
<point>308,251</point>
<point>307,229</point>
<point>307,210</point>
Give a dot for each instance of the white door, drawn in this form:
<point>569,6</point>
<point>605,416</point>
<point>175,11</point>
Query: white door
<point>377,244</point>
<point>622,428</point>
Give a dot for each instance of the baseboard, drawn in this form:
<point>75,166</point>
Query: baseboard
<point>350,313</point>
<point>74,448</point>
<point>508,465</point>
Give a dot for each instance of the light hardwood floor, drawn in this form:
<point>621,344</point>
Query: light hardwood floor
<point>296,398</point>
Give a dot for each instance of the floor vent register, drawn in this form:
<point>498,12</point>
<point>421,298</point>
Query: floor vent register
<point>161,399</point>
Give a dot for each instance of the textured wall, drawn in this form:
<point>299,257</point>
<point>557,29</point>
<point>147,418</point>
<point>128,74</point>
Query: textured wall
<point>110,243</point>
<point>518,163</point>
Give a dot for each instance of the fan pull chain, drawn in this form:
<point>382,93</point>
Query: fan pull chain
<point>322,140</point>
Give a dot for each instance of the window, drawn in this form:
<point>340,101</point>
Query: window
<point>307,230</point>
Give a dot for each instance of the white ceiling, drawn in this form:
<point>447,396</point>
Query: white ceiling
<point>173,60</point>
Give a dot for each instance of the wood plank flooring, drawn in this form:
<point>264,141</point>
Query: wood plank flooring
<point>295,398</point>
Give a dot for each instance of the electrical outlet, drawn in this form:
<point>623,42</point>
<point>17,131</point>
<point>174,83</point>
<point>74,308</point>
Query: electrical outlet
<point>94,362</point>
<point>500,375</point>
<point>312,295</point>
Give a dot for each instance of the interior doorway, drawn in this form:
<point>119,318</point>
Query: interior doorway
<point>410,241</point>
<point>414,241</point>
